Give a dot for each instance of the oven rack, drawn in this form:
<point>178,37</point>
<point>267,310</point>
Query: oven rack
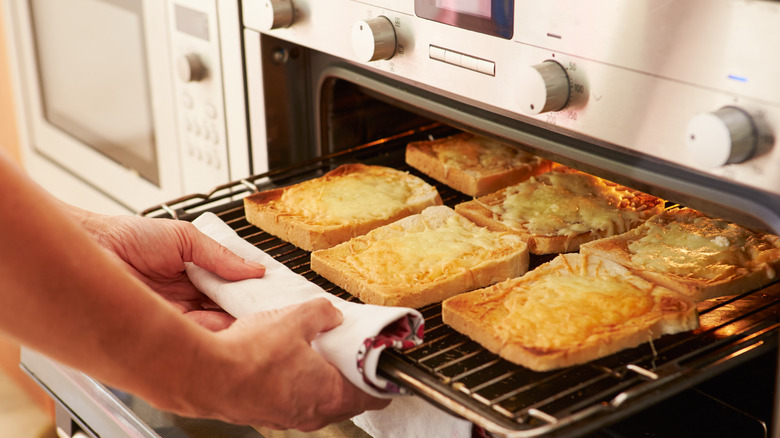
<point>507,400</point>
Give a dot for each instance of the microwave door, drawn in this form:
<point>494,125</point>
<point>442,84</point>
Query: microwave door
<point>104,110</point>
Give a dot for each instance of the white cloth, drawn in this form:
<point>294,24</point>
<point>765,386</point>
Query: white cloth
<point>406,417</point>
<point>280,287</point>
<point>412,417</point>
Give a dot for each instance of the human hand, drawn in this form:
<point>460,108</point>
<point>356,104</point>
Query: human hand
<point>155,251</point>
<point>275,379</point>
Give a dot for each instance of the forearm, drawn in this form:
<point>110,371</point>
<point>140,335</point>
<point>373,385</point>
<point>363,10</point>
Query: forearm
<point>76,287</point>
<point>65,297</point>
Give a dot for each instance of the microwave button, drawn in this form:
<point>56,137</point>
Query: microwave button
<point>187,101</point>
<point>210,110</point>
<point>190,68</point>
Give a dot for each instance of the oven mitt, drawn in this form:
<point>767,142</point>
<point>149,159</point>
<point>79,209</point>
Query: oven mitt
<point>353,347</point>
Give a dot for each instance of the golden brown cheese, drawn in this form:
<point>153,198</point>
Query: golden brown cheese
<point>429,254</point>
<point>559,310</point>
<point>348,198</point>
<point>491,155</point>
<point>703,248</point>
<point>566,204</point>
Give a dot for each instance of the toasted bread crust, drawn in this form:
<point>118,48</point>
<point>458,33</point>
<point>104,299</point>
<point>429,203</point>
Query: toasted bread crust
<point>761,257</point>
<point>401,284</point>
<point>475,179</point>
<point>479,212</point>
<point>485,316</point>
<point>268,210</point>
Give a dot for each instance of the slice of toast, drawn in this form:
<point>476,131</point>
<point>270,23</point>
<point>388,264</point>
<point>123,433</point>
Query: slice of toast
<point>559,210</point>
<point>422,259</point>
<point>684,250</point>
<point>472,164</point>
<point>345,202</point>
<point>569,311</point>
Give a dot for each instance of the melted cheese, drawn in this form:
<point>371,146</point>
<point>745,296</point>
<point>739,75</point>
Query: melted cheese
<point>561,310</point>
<point>567,204</point>
<point>348,198</point>
<point>703,248</point>
<point>424,254</point>
<point>482,155</point>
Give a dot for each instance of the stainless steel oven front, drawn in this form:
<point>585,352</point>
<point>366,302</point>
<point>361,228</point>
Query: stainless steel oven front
<point>617,88</point>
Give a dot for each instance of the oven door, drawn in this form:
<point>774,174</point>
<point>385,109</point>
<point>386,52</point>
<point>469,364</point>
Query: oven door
<point>97,87</point>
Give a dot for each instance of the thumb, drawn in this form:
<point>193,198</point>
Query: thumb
<point>305,320</point>
<point>210,255</point>
<point>316,316</point>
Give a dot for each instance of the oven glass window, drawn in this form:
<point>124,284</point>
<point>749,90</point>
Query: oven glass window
<point>94,79</point>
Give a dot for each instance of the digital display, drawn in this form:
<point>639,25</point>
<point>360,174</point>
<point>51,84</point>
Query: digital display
<point>480,8</point>
<point>192,22</point>
<point>491,17</point>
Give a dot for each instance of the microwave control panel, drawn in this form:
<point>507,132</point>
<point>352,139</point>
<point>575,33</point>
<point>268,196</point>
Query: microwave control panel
<point>199,94</point>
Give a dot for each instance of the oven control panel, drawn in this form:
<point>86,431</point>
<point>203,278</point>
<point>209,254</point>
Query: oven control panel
<point>686,82</point>
<point>199,94</point>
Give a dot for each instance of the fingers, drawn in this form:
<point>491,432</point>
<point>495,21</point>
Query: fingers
<point>305,320</point>
<point>212,320</point>
<point>345,401</point>
<point>283,383</point>
<point>210,255</point>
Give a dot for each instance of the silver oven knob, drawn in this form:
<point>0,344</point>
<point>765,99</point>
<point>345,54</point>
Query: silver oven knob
<point>190,68</point>
<point>275,14</point>
<point>374,39</point>
<point>728,135</point>
<point>543,87</point>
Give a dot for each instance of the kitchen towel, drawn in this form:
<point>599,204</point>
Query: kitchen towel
<point>413,417</point>
<point>353,347</point>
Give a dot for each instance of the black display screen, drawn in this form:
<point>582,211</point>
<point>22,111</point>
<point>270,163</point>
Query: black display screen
<point>492,17</point>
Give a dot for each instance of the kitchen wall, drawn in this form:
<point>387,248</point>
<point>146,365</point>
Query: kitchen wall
<point>9,141</point>
<point>9,144</point>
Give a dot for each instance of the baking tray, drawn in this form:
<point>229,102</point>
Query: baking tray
<point>504,399</point>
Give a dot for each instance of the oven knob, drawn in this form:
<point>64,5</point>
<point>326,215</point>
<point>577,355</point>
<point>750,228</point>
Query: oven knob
<point>543,87</point>
<point>190,68</point>
<point>728,135</point>
<point>374,39</point>
<point>275,14</point>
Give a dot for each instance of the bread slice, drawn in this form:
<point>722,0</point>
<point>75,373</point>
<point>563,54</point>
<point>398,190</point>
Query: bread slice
<point>345,202</point>
<point>569,311</point>
<point>422,259</point>
<point>559,210</point>
<point>684,250</point>
<point>472,164</point>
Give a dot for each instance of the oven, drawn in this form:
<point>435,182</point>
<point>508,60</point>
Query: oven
<point>121,102</point>
<point>675,99</point>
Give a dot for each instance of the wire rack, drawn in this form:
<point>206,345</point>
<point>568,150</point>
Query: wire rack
<point>459,375</point>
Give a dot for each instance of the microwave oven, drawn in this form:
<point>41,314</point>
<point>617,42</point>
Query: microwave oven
<point>126,102</point>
